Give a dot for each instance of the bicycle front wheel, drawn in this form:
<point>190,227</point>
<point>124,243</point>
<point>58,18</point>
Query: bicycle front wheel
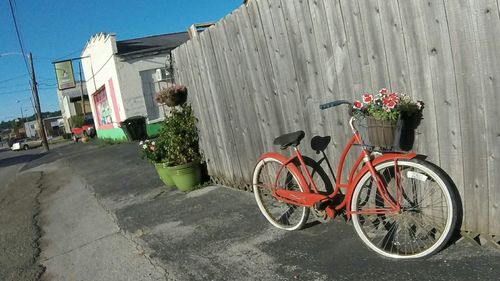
<point>269,174</point>
<point>428,209</point>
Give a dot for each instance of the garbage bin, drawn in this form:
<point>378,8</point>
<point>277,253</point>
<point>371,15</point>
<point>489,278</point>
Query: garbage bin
<point>135,128</point>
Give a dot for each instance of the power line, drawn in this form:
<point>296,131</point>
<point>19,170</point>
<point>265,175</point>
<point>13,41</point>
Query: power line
<point>12,86</point>
<point>19,36</point>
<point>68,55</point>
<point>14,92</point>
<point>14,78</point>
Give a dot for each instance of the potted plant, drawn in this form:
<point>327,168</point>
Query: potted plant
<point>173,95</point>
<point>181,141</point>
<point>388,119</point>
<point>155,151</point>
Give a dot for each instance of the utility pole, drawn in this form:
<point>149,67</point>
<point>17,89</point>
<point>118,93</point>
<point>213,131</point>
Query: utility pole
<point>81,88</point>
<point>41,129</point>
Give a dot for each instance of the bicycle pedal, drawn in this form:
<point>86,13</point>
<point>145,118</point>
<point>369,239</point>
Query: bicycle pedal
<point>321,205</point>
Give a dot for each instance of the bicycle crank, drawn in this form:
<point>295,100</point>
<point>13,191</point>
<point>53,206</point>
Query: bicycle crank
<point>320,216</point>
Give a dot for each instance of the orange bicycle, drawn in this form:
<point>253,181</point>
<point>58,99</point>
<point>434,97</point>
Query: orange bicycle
<point>401,206</point>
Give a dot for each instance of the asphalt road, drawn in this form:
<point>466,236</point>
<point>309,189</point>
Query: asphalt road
<point>19,208</point>
<point>214,233</point>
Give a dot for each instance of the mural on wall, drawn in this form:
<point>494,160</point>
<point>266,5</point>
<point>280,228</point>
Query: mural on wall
<point>102,106</point>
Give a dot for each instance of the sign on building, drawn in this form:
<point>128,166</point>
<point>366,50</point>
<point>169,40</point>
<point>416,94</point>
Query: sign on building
<point>64,74</point>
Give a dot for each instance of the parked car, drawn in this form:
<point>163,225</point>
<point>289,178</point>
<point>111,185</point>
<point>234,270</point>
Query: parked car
<point>86,130</point>
<point>26,144</point>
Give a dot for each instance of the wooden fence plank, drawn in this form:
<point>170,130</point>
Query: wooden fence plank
<point>306,71</point>
<point>277,103</point>
<point>245,110</point>
<point>394,45</point>
<point>346,51</point>
<point>332,60</point>
<point>488,27</point>
<point>223,110</point>
<point>420,77</point>
<point>230,78</point>
<point>210,138</point>
<point>281,58</point>
<point>463,34</point>
<point>356,44</point>
<point>207,135</point>
<point>444,87</point>
<point>370,13</point>
<point>263,79</point>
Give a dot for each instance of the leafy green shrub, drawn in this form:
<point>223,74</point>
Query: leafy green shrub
<point>76,121</point>
<point>179,136</point>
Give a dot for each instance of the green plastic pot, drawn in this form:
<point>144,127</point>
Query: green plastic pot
<point>164,174</point>
<point>186,176</point>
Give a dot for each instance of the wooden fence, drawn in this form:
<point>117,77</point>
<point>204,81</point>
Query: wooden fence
<point>264,69</point>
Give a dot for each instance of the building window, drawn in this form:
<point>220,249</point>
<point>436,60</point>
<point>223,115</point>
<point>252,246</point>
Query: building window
<point>102,106</point>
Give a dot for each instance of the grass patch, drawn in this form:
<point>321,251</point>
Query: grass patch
<point>107,141</point>
<point>57,140</point>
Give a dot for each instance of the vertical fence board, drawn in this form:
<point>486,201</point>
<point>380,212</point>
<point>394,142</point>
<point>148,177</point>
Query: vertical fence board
<point>356,43</point>
<point>262,78</point>
<point>210,139</point>
<point>245,110</point>
<point>444,87</point>
<point>331,56</point>
<point>392,34</point>
<point>465,56</point>
<point>420,77</point>
<point>488,27</point>
<point>370,13</point>
<point>223,108</point>
<point>282,59</point>
<point>280,84</point>
<point>345,53</point>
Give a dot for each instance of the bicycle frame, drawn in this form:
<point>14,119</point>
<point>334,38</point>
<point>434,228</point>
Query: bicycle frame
<point>364,162</point>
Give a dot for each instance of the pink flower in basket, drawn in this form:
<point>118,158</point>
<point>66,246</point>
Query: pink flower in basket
<point>385,106</point>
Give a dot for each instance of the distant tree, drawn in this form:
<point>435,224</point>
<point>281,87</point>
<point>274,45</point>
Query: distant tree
<point>9,123</point>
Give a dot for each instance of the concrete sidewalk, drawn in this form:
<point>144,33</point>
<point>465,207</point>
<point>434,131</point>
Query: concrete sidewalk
<point>213,233</point>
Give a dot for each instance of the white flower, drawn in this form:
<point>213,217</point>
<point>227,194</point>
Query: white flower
<point>153,143</point>
<point>141,143</point>
<point>144,146</point>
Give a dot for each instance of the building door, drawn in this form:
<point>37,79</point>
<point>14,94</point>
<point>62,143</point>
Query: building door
<point>149,90</point>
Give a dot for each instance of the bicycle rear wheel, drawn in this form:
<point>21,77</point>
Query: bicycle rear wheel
<point>428,214</point>
<point>278,213</point>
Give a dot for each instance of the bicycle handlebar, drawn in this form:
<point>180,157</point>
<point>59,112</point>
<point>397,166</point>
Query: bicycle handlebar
<point>333,104</point>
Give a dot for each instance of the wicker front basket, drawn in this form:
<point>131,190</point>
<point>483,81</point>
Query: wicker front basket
<point>380,133</point>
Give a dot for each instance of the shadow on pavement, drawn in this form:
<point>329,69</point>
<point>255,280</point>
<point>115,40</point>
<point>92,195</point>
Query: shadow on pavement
<point>19,159</point>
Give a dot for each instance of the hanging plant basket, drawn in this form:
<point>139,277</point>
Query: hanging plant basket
<point>176,99</point>
<point>172,96</point>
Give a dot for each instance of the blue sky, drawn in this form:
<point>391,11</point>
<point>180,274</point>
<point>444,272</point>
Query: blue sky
<point>54,30</point>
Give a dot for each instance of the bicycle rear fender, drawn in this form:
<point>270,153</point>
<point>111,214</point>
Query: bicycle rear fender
<point>385,157</point>
<point>292,167</point>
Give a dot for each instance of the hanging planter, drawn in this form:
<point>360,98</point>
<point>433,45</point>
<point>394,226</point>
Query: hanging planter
<point>172,96</point>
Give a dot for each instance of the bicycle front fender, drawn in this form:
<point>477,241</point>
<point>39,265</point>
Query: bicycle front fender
<point>384,158</point>
<point>291,167</point>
